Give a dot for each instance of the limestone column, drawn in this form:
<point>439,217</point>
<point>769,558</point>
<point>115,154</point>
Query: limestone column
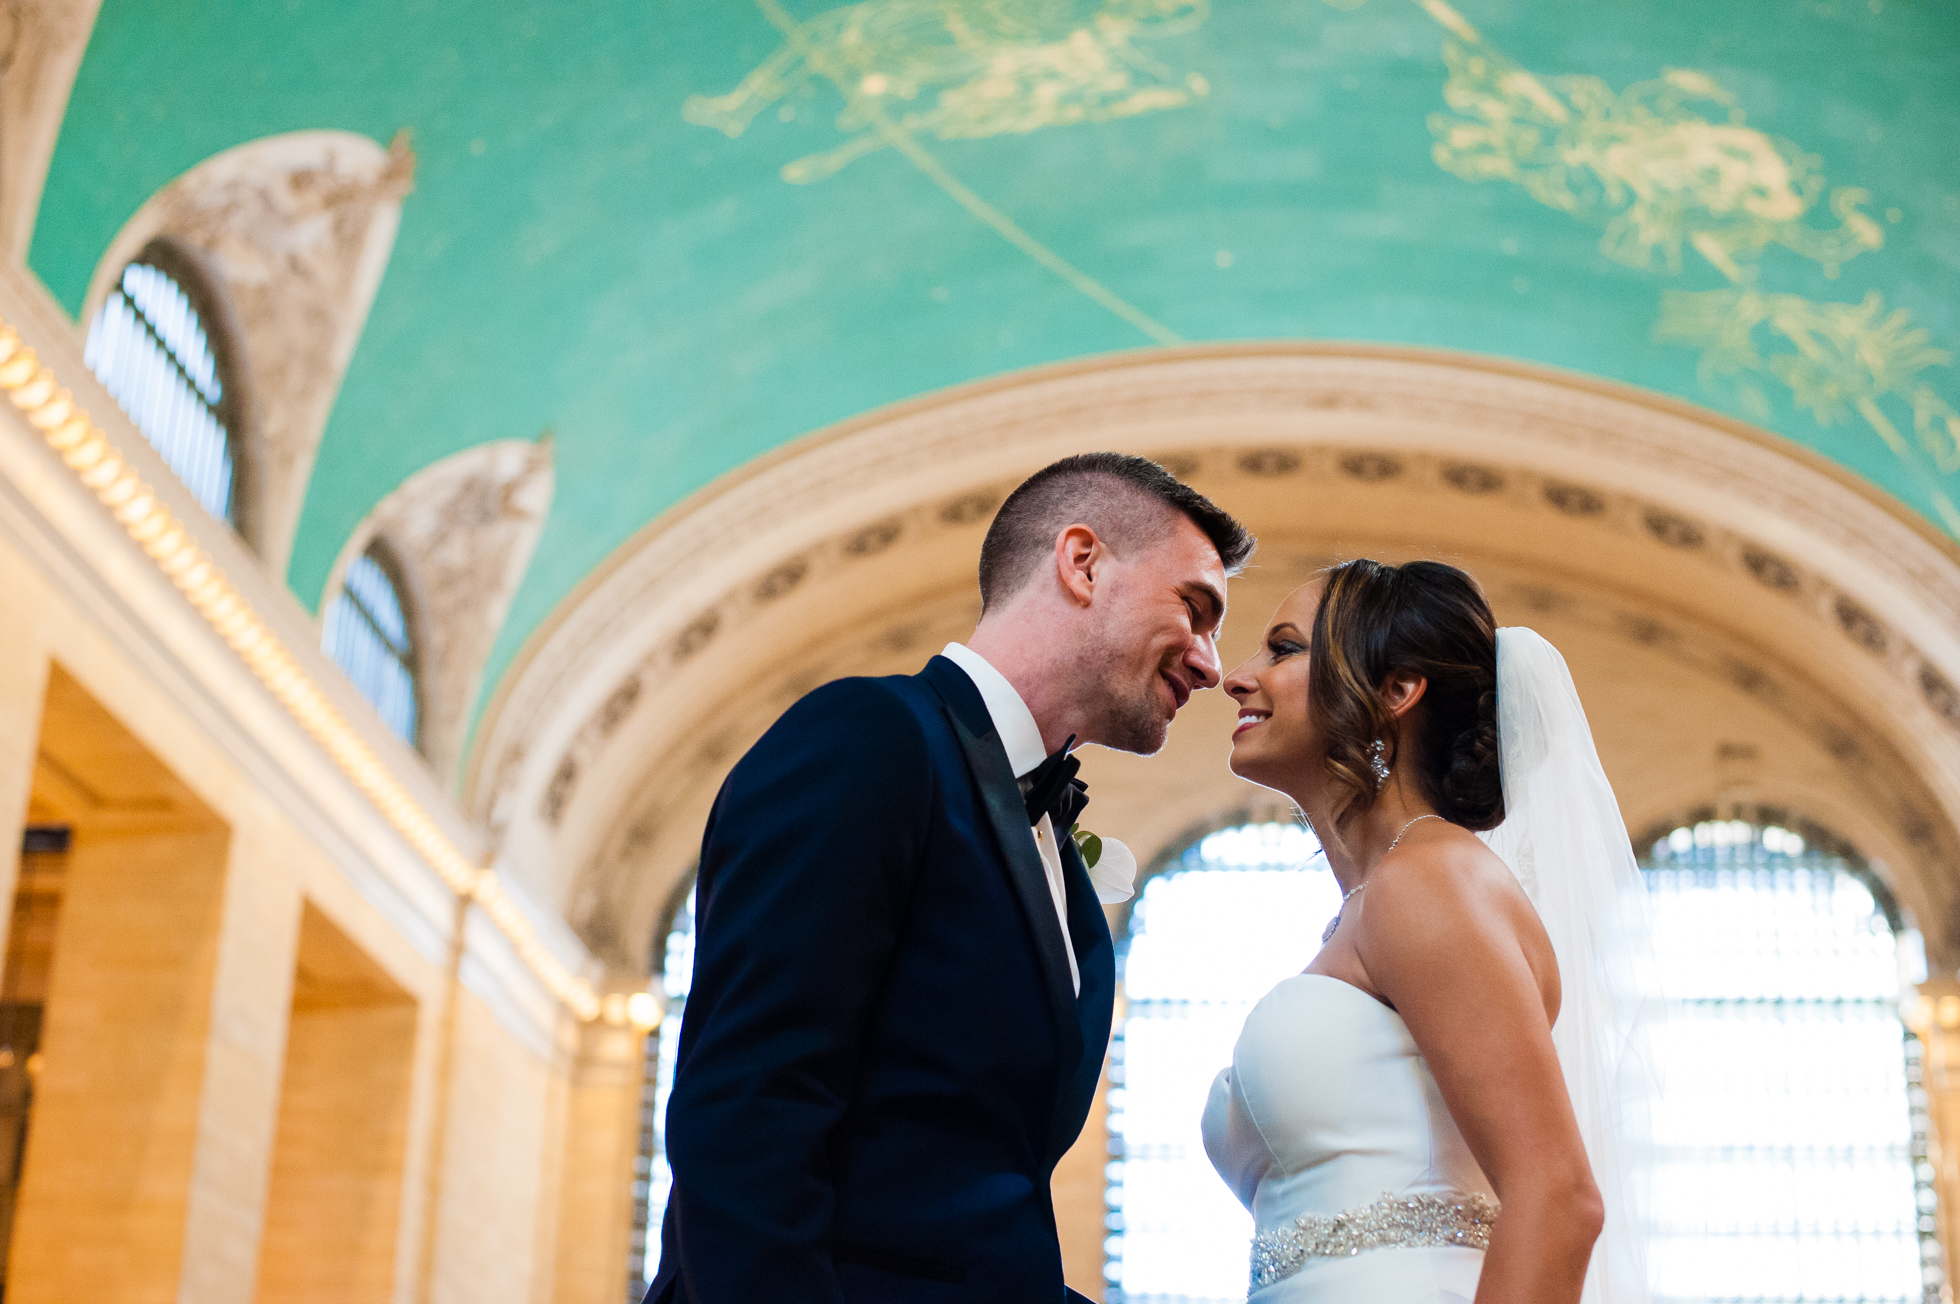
<point>23,682</point>
<point>602,1141</point>
<point>245,1055</point>
<point>1936,1020</point>
<point>112,1140</point>
<point>163,1037</point>
<point>333,1219</point>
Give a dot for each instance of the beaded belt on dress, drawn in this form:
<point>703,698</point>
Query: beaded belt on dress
<point>1393,1220</point>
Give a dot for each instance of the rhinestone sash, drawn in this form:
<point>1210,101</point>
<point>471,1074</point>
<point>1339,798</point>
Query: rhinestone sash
<point>1393,1220</point>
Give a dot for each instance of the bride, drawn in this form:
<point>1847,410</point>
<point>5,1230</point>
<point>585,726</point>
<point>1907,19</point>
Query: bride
<point>1439,1109</point>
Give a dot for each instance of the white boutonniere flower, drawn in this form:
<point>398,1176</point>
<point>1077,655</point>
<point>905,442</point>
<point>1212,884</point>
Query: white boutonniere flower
<point>1112,866</point>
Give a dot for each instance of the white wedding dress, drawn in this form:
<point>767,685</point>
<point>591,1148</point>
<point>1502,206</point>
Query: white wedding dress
<point>1328,1125</point>
<point>1327,1108</point>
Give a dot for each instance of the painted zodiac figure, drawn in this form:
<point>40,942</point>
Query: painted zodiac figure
<point>961,69</point>
<point>1836,359</point>
<point>1642,161</point>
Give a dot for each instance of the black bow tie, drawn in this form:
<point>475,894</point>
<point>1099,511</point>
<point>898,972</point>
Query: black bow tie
<point>1054,791</point>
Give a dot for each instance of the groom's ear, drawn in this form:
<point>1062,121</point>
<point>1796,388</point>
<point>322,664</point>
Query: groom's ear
<point>1079,559</point>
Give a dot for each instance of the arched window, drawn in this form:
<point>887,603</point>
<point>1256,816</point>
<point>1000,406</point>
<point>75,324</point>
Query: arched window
<point>1208,937</point>
<point>654,1178</point>
<point>1793,1130</point>
<point>1793,1133</point>
<point>367,634</point>
<point>153,349</point>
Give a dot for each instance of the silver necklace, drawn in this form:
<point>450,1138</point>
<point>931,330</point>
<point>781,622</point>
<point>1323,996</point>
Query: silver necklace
<point>1327,935</point>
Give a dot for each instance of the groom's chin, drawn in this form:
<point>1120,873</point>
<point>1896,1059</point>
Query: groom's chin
<point>1141,734</point>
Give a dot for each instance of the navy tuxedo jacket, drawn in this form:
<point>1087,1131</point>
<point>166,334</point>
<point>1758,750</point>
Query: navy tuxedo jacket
<point>882,1057</point>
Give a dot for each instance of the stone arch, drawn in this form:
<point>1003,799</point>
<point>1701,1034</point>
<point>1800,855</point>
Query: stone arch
<point>41,48</point>
<point>1746,621</point>
<point>292,233</point>
<point>461,532</point>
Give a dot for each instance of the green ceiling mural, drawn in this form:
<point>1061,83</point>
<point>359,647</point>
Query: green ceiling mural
<point>679,235</point>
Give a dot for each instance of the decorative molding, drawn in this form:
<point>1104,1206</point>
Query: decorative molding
<point>462,530</point>
<point>157,517</point>
<point>293,232</point>
<point>1877,795</point>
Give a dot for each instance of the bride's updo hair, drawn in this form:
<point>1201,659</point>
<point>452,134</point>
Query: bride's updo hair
<point>1425,619</point>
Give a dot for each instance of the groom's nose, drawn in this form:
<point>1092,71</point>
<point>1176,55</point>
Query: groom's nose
<point>1202,659</point>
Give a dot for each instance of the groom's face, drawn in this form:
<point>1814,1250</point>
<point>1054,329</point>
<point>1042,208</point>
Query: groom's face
<point>1153,639</point>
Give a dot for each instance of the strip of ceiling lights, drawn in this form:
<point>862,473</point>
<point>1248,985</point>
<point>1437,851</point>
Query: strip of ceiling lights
<point>87,451</point>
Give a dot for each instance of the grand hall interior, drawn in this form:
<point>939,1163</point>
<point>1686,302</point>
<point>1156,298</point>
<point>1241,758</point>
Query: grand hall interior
<point>441,438</point>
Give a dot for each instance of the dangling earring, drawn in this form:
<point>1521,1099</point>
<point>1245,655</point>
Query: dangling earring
<point>1378,762</point>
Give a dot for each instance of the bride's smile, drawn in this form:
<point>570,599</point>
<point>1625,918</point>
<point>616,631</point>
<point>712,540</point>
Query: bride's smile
<point>1273,731</point>
<point>1249,717</point>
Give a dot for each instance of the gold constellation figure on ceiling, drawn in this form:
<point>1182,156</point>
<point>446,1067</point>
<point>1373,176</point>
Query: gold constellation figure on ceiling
<point>1657,174</point>
<point>1643,161</point>
<point>963,69</point>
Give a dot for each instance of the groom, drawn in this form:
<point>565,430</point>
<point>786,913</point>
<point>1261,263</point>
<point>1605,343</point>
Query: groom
<point>902,977</point>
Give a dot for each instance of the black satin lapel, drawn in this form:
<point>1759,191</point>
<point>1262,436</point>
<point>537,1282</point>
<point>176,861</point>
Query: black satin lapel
<point>1088,926</point>
<point>1009,816</point>
<point>1095,958</point>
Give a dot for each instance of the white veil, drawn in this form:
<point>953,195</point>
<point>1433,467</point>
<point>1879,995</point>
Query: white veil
<point>1563,837</point>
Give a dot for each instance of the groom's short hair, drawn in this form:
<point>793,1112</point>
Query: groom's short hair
<point>1128,501</point>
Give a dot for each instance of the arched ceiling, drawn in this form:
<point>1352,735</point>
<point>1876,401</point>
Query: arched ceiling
<point>1742,618</point>
<point>678,235</point>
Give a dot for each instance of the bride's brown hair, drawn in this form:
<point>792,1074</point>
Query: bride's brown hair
<point>1425,619</point>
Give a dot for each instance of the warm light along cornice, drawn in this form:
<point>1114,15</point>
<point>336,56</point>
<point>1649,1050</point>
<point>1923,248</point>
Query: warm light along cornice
<point>89,454</point>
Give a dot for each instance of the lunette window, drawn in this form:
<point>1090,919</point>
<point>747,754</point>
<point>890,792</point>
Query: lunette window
<point>151,348</point>
<point>1792,1137</point>
<point>367,634</point>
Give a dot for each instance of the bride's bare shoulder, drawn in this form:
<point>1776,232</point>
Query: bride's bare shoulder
<point>1449,894</point>
<point>1447,870</point>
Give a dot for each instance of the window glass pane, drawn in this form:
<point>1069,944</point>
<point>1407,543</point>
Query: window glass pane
<point>1208,938</point>
<point>659,1179</point>
<point>1793,1133</point>
<point>366,633</point>
<point>370,586</point>
<point>149,349</point>
<point>1787,1128</point>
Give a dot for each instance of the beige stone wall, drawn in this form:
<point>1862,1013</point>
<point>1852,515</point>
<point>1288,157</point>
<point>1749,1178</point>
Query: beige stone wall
<point>113,1145</point>
<point>602,1130</point>
<point>333,1213</point>
<point>492,1208</point>
<point>250,1090</point>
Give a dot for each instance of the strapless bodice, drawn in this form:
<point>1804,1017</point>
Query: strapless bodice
<point>1327,1107</point>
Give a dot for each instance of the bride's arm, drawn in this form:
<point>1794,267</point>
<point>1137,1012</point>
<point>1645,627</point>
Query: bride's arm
<point>1447,937</point>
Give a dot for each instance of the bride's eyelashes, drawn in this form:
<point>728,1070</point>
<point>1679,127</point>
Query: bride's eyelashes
<point>1281,648</point>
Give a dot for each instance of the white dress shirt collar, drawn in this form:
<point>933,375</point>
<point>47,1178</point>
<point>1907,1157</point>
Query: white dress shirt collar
<point>1012,720</point>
